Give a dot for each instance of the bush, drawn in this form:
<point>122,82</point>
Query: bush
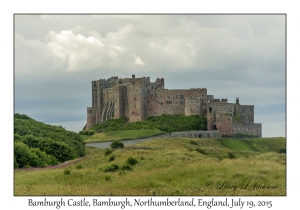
<point>108,152</point>
<point>131,161</point>
<point>111,158</point>
<point>90,132</point>
<point>116,144</point>
<point>193,142</point>
<point>201,151</point>
<point>107,178</point>
<point>231,155</point>
<point>79,166</point>
<point>282,151</point>
<point>126,166</point>
<point>110,168</point>
<point>67,171</point>
<point>25,156</point>
<point>16,165</point>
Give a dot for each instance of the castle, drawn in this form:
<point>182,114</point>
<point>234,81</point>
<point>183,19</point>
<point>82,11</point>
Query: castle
<point>138,98</point>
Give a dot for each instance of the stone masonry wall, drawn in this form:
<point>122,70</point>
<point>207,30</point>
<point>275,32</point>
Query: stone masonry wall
<point>137,98</point>
<point>221,108</point>
<point>164,101</point>
<point>246,112</point>
<point>247,128</point>
<point>224,124</point>
<point>192,106</point>
<point>91,117</point>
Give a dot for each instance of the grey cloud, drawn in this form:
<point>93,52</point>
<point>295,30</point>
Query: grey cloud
<point>57,57</point>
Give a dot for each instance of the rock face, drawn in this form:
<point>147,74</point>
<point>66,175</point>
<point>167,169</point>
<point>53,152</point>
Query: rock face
<point>138,98</point>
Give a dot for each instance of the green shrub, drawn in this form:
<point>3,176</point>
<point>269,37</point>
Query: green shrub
<point>111,158</point>
<point>107,152</point>
<point>193,142</point>
<point>90,132</point>
<point>111,168</point>
<point>78,166</point>
<point>132,161</point>
<point>107,178</point>
<point>116,144</point>
<point>67,171</point>
<point>31,157</point>
<point>231,155</point>
<point>201,151</point>
<point>126,166</point>
<point>282,151</point>
<point>16,165</point>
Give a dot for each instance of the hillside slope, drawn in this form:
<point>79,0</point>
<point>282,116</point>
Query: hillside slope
<point>38,145</point>
<point>165,167</point>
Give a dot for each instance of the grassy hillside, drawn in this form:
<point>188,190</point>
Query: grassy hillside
<point>120,129</point>
<point>166,166</point>
<point>166,123</point>
<point>121,135</point>
<point>38,145</point>
<point>259,144</point>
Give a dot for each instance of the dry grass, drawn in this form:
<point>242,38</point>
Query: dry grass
<point>170,167</point>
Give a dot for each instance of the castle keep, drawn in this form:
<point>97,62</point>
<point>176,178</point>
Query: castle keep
<point>138,98</point>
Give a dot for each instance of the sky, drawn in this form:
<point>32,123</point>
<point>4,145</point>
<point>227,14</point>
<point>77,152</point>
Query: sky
<point>57,56</point>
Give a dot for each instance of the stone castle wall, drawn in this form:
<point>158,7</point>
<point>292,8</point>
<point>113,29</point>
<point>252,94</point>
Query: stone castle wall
<point>224,124</point>
<point>246,112</point>
<point>247,128</point>
<point>138,98</point>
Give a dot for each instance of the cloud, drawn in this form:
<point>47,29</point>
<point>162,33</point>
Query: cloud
<point>57,57</point>
<point>138,61</point>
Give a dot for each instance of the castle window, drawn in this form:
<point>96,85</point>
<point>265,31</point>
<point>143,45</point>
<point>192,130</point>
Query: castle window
<point>181,96</point>
<point>151,95</point>
<point>176,96</point>
<point>161,103</point>
<point>210,110</point>
<point>155,95</point>
<point>181,102</point>
<point>133,83</point>
<point>134,106</point>
<point>168,102</point>
<point>202,95</point>
<point>176,102</point>
<point>202,101</point>
<point>168,96</point>
<point>89,111</point>
<point>134,98</point>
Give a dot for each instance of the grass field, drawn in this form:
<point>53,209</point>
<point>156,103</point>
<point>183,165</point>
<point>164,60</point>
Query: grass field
<point>121,135</point>
<point>165,166</point>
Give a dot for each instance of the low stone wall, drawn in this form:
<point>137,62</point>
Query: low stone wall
<point>197,134</point>
<point>247,128</point>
